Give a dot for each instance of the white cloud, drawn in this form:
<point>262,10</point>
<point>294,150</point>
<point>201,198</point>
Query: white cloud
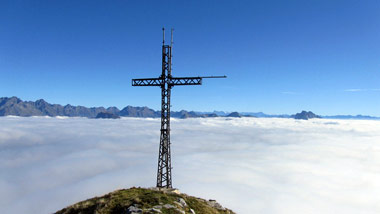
<point>355,90</point>
<point>251,165</point>
<point>361,89</point>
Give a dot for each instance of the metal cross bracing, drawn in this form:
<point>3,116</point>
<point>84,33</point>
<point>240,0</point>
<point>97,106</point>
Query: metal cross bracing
<point>166,82</point>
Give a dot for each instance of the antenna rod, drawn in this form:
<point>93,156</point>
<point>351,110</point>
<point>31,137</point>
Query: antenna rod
<point>163,36</point>
<point>215,76</point>
<point>171,42</point>
<point>171,52</point>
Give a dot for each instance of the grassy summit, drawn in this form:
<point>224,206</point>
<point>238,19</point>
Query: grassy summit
<point>140,200</point>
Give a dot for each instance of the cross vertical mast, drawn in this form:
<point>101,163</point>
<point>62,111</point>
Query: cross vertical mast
<point>164,171</point>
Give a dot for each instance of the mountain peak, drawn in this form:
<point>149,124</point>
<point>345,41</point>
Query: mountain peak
<point>234,114</point>
<point>305,115</point>
<point>41,102</point>
<point>10,99</point>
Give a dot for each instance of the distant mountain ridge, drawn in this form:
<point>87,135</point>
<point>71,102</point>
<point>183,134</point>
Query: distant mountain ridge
<point>17,107</point>
<point>263,115</point>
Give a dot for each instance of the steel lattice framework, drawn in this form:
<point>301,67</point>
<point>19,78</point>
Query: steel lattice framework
<point>166,82</point>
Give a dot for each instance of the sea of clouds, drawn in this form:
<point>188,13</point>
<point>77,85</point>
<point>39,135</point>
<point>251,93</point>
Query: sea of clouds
<point>250,165</point>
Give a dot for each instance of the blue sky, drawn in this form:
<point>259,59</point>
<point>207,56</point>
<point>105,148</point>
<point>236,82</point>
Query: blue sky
<point>279,56</point>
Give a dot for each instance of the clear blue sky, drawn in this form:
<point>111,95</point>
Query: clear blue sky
<point>279,56</point>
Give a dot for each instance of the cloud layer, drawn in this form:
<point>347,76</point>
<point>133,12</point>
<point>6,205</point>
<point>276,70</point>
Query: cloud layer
<point>251,165</point>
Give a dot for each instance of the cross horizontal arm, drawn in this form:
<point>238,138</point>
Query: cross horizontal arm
<point>172,81</point>
<point>190,80</point>
<point>185,81</point>
<point>148,82</point>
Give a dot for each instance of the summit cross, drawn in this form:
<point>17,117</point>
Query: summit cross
<point>166,81</point>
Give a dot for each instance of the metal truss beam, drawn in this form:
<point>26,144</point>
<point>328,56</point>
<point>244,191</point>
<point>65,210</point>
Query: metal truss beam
<point>148,82</point>
<point>170,81</point>
<point>185,81</point>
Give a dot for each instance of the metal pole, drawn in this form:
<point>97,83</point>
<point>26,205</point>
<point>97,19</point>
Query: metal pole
<point>214,77</point>
<point>171,41</point>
